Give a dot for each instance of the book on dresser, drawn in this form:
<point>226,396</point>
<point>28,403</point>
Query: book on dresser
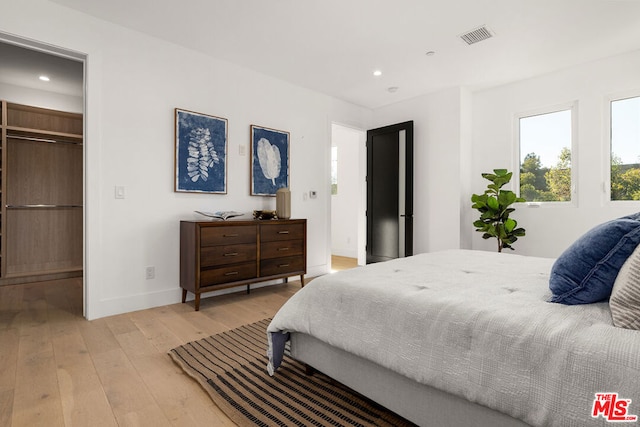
<point>223,254</point>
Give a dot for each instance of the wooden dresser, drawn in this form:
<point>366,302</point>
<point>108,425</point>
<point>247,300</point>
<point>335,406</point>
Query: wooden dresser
<point>222,254</point>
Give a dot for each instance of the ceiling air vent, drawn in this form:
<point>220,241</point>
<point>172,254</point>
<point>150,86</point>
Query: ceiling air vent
<point>477,35</point>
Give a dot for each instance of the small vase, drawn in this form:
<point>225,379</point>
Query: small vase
<point>283,203</point>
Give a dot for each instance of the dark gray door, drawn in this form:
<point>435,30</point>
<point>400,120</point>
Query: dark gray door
<point>390,192</point>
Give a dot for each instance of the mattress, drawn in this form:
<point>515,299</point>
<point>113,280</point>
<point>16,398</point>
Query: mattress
<point>476,325</point>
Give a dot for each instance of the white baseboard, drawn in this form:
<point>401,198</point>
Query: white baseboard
<point>120,305</point>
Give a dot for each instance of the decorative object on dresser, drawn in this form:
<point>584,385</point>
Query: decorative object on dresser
<point>269,160</point>
<point>283,203</point>
<point>201,153</point>
<point>263,215</point>
<point>223,254</point>
<point>41,194</point>
<point>223,215</point>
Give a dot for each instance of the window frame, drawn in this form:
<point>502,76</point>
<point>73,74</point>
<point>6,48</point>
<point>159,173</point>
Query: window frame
<point>606,146</point>
<point>567,106</point>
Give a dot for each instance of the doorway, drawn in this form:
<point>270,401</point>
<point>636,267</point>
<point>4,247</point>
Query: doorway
<point>348,188</point>
<point>43,165</point>
<point>390,192</point>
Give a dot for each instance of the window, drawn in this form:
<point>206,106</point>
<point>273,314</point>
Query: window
<point>334,171</point>
<point>625,149</point>
<point>546,142</point>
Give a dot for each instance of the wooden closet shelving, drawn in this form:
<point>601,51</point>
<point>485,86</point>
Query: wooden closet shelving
<point>41,194</point>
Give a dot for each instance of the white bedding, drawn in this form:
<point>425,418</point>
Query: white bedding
<point>475,324</point>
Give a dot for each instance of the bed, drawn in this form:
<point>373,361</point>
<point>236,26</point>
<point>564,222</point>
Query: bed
<point>462,337</point>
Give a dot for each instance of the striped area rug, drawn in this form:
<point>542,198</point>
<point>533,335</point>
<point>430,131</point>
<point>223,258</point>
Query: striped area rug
<point>231,367</point>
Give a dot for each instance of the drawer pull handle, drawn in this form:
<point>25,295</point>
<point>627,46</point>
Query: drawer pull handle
<point>283,265</point>
<point>230,235</point>
<point>283,232</point>
<point>283,249</point>
<point>231,273</point>
<point>231,254</point>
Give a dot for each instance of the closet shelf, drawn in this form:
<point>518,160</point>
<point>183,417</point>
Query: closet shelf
<point>46,140</point>
<point>16,131</point>
<point>40,206</point>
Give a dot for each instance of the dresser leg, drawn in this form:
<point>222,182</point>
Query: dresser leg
<point>197,303</point>
<point>302,280</point>
<point>184,296</point>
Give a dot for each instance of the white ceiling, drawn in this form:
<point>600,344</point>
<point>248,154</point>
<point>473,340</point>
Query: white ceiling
<point>20,66</point>
<point>333,46</point>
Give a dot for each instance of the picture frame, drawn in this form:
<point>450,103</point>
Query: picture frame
<point>201,146</point>
<point>270,161</point>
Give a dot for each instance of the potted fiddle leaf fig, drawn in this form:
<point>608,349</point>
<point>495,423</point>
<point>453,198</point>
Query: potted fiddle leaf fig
<point>494,207</point>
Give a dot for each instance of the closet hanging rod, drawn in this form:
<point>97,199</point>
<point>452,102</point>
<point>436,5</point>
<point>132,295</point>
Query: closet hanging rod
<point>41,206</point>
<point>47,140</point>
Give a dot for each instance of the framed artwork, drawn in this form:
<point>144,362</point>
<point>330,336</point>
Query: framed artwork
<point>269,160</point>
<point>201,153</point>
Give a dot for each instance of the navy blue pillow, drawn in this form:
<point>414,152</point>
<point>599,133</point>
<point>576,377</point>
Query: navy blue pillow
<point>586,271</point>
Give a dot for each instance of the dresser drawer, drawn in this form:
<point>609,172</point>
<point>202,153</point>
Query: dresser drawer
<point>275,232</point>
<point>281,248</point>
<point>291,264</point>
<point>227,254</point>
<point>210,236</point>
<point>220,275</point>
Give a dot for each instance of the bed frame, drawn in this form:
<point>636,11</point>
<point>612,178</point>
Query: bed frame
<point>418,403</point>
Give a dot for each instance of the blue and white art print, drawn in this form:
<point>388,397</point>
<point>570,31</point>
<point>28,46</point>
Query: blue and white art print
<point>269,160</point>
<point>201,153</point>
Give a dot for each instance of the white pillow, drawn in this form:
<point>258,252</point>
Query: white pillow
<point>625,296</point>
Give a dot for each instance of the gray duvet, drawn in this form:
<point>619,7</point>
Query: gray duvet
<point>475,324</point>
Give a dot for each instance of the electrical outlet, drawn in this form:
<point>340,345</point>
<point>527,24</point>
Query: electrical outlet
<point>150,273</point>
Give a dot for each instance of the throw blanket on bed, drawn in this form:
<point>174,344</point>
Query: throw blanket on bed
<point>475,324</point>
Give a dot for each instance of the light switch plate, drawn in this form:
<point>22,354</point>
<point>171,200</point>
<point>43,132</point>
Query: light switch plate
<point>119,192</point>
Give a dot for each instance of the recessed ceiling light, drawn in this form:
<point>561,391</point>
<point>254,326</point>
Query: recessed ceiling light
<point>377,73</point>
<point>44,78</point>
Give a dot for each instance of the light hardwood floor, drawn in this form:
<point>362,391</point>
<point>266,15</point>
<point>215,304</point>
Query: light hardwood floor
<point>342,263</point>
<point>58,369</point>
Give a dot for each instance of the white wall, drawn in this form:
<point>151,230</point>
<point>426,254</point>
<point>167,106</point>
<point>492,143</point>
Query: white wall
<point>40,98</point>
<point>459,135</point>
<point>551,229</point>
<point>441,123</point>
<point>345,206</point>
<point>134,82</point>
